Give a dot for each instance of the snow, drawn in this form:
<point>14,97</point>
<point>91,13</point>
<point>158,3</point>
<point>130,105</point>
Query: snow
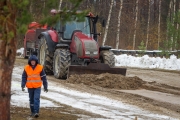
<point>59,95</point>
<point>20,98</point>
<point>20,51</point>
<point>172,63</point>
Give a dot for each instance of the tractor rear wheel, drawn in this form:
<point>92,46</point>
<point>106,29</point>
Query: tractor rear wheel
<point>61,63</point>
<point>24,55</point>
<point>45,57</point>
<point>107,57</point>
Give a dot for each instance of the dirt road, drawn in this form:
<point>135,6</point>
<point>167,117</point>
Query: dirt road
<point>152,95</point>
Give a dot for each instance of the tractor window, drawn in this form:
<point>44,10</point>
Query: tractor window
<point>74,25</point>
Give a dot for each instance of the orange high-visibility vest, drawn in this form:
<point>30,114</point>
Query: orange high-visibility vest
<point>33,76</point>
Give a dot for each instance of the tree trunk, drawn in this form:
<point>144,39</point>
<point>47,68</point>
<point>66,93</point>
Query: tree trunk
<point>30,7</point>
<point>169,17</point>
<point>7,56</point>
<point>60,2</point>
<point>44,4</point>
<point>107,25</point>
<point>135,25</point>
<point>173,19</point>
<point>159,23</point>
<point>147,40</point>
<point>118,27</point>
<point>177,29</point>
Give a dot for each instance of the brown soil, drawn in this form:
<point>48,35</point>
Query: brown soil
<point>18,113</point>
<point>107,80</point>
<point>55,113</point>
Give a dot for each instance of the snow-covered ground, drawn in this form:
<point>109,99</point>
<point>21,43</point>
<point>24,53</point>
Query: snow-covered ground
<point>109,108</point>
<point>20,51</point>
<point>145,61</point>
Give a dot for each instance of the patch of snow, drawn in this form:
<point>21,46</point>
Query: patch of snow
<point>20,52</point>
<point>145,61</point>
<point>21,99</point>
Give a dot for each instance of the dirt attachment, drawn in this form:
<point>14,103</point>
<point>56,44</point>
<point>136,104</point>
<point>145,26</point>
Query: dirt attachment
<point>107,80</point>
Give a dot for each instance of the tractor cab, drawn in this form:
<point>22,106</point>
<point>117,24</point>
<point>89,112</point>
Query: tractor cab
<point>87,27</point>
<point>70,27</point>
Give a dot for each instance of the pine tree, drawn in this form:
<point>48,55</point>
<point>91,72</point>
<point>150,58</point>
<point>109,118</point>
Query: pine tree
<point>14,18</point>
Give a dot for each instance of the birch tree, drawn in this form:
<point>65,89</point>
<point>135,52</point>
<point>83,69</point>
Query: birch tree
<point>159,23</point>
<point>169,13</point>
<point>135,24</point>
<point>118,27</point>
<point>172,36</point>
<point>60,3</point>
<point>107,25</point>
<point>147,40</point>
<point>44,4</point>
<point>177,27</point>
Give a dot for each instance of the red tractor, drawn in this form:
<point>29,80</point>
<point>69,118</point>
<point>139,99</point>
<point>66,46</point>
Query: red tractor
<point>73,48</point>
<point>31,38</point>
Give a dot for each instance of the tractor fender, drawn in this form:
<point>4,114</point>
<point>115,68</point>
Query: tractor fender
<point>104,48</point>
<point>62,46</point>
<point>50,43</point>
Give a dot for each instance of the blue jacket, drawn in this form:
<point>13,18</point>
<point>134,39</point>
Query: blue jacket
<point>42,74</point>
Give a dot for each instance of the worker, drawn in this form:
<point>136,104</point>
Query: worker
<point>33,77</point>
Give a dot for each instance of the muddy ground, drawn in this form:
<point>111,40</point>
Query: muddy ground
<point>154,90</point>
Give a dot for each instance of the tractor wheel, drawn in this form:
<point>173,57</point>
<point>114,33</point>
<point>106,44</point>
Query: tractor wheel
<point>107,57</point>
<point>61,63</point>
<point>24,54</point>
<point>45,57</point>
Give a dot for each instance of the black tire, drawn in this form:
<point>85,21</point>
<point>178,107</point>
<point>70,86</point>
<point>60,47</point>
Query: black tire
<point>61,63</point>
<point>45,57</point>
<point>25,57</point>
<point>107,57</point>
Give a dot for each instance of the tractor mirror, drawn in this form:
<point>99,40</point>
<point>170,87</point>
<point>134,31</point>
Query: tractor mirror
<point>64,28</point>
<point>103,23</point>
<point>96,19</point>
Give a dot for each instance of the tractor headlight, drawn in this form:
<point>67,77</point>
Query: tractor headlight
<point>95,52</point>
<point>87,52</point>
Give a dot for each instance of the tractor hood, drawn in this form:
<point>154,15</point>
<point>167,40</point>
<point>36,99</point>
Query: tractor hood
<point>84,46</point>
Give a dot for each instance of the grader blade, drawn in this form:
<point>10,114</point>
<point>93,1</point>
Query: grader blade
<point>95,68</point>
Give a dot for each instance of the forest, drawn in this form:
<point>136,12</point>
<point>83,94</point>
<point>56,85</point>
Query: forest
<point>129,24</point>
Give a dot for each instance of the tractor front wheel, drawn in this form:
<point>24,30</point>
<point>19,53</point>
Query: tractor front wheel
<point>61,63</point>
<point>107,57</point>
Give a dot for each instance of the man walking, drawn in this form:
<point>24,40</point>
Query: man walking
<point>33,77</point>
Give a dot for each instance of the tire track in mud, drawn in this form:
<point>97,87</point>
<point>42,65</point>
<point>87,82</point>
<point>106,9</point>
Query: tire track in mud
<point>116,111</point>
<point>146,103</point>
<point>162,88</point>
<point>70,109</point>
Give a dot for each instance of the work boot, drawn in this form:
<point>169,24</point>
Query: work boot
<point>36,115</point>
<point>31,115</point>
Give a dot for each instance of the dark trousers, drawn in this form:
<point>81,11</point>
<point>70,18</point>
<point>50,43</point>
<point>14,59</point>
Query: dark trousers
<point>34,99</point>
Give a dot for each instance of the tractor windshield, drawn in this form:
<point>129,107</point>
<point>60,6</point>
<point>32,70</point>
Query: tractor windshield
<point>75,25</point>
